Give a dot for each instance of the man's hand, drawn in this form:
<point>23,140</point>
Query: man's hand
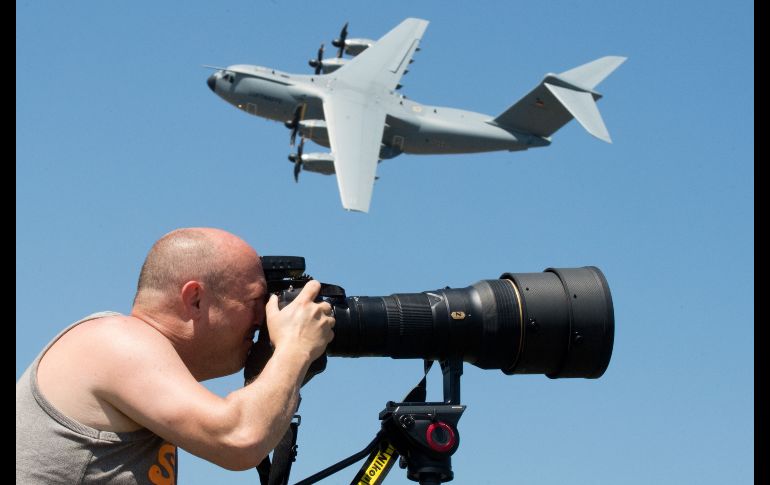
<point>302,326</point>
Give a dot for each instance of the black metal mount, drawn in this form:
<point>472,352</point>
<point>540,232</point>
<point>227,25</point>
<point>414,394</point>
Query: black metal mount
<point>424,434</point>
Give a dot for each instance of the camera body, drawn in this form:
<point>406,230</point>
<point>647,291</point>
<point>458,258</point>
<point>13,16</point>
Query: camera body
<point>285,276</point>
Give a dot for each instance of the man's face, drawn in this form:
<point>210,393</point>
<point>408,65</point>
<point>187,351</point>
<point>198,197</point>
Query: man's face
<point>234,317</point>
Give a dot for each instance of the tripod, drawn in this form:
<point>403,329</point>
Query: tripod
<point>423,434</point>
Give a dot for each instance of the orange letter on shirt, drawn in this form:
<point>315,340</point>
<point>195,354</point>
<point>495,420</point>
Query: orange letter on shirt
<point>167,459</point>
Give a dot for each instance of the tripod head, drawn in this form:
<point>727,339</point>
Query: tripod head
<point>426,436</point>
<point>423,433</point>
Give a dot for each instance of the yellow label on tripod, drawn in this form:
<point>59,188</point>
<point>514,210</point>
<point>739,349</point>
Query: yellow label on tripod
<point>378,467</point>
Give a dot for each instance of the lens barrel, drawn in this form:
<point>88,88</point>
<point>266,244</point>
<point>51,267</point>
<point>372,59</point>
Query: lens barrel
<point>559,322</point>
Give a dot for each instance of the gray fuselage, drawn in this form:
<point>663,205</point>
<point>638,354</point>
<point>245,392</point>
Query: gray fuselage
<point>410,127</point>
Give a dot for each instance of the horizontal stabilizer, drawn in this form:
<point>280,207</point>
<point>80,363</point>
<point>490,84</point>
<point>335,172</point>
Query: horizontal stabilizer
<point>589,75</point>
<point>582,107</point>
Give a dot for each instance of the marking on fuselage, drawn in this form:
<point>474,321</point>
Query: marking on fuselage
<point>271,99</point>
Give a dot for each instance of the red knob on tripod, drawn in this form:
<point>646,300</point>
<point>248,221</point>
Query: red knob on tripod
<point>441,437</point>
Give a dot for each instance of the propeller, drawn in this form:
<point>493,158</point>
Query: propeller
<point>318,62</point>
<point>293,124</point>
<point>340,42</point>
<point>297,159</point>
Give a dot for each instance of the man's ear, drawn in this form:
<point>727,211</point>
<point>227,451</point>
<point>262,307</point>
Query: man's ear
<point>192,294</point>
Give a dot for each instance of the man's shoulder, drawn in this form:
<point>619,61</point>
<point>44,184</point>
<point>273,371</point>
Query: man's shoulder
<point>117,329</point>
<point>109,339</point>
<point>96,358</point>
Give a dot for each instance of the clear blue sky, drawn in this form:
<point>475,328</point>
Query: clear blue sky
<point>119,140</point>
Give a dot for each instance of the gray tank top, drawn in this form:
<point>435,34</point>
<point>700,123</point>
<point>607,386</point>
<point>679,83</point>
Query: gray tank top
<point>52,448</point>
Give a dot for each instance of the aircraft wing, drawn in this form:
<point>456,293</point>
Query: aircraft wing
<point>382,65</point>
<point>355,133</point>
<point>354,109</point>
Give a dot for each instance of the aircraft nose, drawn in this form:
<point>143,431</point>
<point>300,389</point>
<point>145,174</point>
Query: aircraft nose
<point>212,82</point>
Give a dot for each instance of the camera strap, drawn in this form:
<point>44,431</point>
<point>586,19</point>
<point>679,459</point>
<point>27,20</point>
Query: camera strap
<point>284,454</point>
<point>384,455</point>
<point>376,467</point>
<point>420,391</point>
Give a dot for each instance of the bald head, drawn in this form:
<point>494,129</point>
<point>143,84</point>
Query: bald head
<point>211,256</point>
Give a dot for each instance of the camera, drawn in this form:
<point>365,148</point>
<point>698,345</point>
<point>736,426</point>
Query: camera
<point>559,322</point>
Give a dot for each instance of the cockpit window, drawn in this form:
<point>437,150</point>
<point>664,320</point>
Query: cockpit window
<point>229,77</point>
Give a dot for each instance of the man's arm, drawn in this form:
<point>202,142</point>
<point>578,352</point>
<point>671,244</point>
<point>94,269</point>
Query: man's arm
<point>145,379</point>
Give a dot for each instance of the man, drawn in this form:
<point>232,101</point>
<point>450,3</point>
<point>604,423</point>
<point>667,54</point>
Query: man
<point>110,399</point>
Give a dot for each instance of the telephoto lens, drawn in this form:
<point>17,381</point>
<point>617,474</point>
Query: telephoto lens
<point>559,323</point>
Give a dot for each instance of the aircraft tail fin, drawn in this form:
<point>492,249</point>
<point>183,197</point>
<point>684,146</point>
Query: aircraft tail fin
<point>561,97</point>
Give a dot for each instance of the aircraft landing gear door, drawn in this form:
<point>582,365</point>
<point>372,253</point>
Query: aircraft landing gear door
<point>251,108</point>
<point>398,143</point>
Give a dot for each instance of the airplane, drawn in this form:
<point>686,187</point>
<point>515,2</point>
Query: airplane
<point>352,107</point>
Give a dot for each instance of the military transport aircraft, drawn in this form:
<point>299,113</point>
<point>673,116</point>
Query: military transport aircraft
<point>353,107</point>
